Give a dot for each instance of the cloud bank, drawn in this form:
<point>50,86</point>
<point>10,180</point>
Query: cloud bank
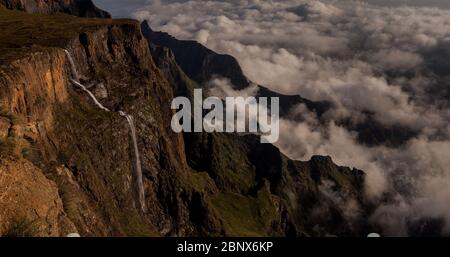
<point>391,63</point>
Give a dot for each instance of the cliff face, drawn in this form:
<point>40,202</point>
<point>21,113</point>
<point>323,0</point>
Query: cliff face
<point>197,61</point>
<point>302,198</point>
<point>293,198</point>
<point>201,64</point>
<point>82,8</point>
<point>75,161</point>
<point>86,151</point>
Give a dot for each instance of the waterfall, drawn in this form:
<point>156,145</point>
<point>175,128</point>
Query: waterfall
<point>91,95</point>
<point>138,168</point>
<point>76,81</point>
<point>129,118</point>
<point>75,75</point>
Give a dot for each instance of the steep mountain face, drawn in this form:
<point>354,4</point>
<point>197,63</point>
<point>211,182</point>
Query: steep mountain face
<point>194,58</point>
<point>71,163</point>
<point>82,8</point>
<point>310,198</point>
<point>201,64</point>
<point>86,151</point>
<point>197,61</point>
<point>290,197</point>
<point>288,102</point>
<point>164,58</point>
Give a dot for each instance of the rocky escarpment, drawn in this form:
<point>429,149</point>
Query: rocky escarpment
<point>304,198</point>
<point>197,61</point>
<point>78,159</point>
<point>86,151</point>
<point>315,198</point>
<point>82,8</point>
<point>201,64</point>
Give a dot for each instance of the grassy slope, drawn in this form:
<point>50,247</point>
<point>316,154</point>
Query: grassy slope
<point>22,32</point>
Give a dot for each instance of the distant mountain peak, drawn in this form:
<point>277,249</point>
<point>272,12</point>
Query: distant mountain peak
<point>198,62</point>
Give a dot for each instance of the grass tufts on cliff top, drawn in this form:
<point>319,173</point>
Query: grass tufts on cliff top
<point>22,33</point>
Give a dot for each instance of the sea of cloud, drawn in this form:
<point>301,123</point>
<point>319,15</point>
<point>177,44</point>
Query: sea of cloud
<point>391,62</point>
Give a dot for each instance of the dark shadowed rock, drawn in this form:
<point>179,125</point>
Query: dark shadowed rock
<point>305,204</point>
<point>198,62</point>
<point>201,64</point>
<point>288,102</point>
<point>248,174</point>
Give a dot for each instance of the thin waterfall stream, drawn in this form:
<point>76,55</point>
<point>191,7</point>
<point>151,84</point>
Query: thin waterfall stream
<point>138,168</point>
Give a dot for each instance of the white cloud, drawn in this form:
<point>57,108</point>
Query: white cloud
<point>361,58</point>
<point>397,60</point>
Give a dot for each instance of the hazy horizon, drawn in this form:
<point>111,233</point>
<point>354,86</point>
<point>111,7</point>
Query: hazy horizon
<point>119,8</point>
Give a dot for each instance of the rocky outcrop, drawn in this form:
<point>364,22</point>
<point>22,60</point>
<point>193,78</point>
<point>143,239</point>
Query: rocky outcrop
<point>82,8</point>
<point>29,202</point>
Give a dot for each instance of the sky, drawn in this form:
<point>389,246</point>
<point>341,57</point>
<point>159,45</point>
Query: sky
<point>120,8</point>
<point>390,59</point>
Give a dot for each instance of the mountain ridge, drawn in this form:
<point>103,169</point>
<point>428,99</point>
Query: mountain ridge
<point>370,131</point>
<point>202,151</point>
<point>196,184</point>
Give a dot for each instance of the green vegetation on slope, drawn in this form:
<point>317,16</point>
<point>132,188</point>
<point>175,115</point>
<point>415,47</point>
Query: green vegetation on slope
<point>22,33</point>
<point>245,215</point>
